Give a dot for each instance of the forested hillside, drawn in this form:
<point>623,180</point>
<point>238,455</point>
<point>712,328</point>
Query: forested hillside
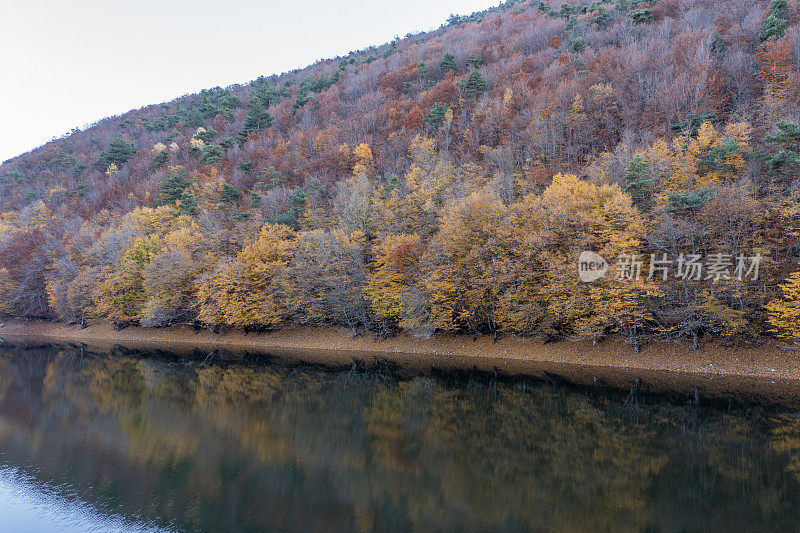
<point>446,181</point>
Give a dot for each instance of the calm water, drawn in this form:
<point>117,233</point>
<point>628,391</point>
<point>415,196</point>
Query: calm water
<point>115,442</point>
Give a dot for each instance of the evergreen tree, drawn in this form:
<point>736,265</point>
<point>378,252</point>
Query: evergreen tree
<point>448,62</point>
<point>212,155</point>
<point>257,119</point>
<point>161,158</point>
<point>187,204</point>
<point>230,195</point>
<point>301,99</point>
<point>638,182</point>
<point>436,115</point>
<point>474,61</point>
<point>775,23</point>
<point>787,159</point>
<point>579,45</point>
<point>641,15</point>
<point>173,186</point>
<point>117,153</point>
<point>718,45</point>
<point>297,205</point>
<point>474,86</point>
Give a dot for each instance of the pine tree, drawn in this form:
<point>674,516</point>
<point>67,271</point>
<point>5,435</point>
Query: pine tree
<point>448,62</point>
<point>118,152</point>
<point>436,115</point>
<point>257,119</point>
<point>474,86</point>
<point>775,23</point>
<point>173,186</point>
<point>474,61</point>
<point>787,159</point>
<point>230,195</point>
<point>638,183</point>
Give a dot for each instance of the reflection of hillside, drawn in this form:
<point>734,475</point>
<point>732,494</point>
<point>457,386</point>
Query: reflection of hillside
<point>210,447</point>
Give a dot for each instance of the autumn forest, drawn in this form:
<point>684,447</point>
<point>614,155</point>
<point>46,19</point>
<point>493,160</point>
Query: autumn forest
<point>443,182</point>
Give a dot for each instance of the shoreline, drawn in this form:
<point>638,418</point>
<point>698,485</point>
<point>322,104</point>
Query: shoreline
<point>767,373</point>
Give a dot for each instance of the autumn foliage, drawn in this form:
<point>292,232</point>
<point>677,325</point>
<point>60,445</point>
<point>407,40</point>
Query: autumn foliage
<point>447,181</point>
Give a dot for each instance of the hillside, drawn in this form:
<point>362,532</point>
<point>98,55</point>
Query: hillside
<point>446,181</point>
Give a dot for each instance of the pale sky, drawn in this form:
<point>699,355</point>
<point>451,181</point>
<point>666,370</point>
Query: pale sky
<point>66,64</point>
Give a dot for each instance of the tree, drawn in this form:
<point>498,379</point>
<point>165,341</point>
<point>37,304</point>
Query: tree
<point>230,195</point>
<point>448,62</point>
<point>364,160</point>
<point>786,160</point>
<point>783,314</point>
<point>118,152</point>
<point>297,204</point>
<point>579,44</point>
<point>475,61</point>
<point>395,271</point>
<point>328,279</point>
<point>120,296</point>
<point>7,289</point>
<point>174,191</point>
<point>257,119</point>
<point>459,265</point>
<point>638,183</point>
<point>775,22</point>
<point>351,205</point>
<point>541,241</point>
<point>168,278</point>
<point>774,72</point>
<point>619,306</point>
<point>436,115</point>
<point>252,290</point>
<point>23,255</point>
<point>641,15</point>
<point>474,85</point>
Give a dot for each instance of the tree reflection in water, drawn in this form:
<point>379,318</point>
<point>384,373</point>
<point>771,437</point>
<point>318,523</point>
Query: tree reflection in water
<point>247,447</point>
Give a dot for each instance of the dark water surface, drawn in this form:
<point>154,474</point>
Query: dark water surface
<point>100,442</point>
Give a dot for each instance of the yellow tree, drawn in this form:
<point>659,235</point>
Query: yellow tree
<point>120,296</point>
<point>544,237</point>
<point>460,264</point>
<point>168,278</point>
<point>251,291</point>
<point>618,306</point>
<point>783,313</point>
<point>775,72</point>
<point>396,262</point>
<point>363,160</point>
<point>711,159</point>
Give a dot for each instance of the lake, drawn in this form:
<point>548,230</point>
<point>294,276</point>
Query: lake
<point>153,442</point>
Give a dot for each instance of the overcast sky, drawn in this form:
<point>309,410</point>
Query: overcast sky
<point>66,64</point>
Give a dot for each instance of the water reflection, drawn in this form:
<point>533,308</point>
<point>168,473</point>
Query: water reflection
<point>190,446</point>
<point>26,504</point>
